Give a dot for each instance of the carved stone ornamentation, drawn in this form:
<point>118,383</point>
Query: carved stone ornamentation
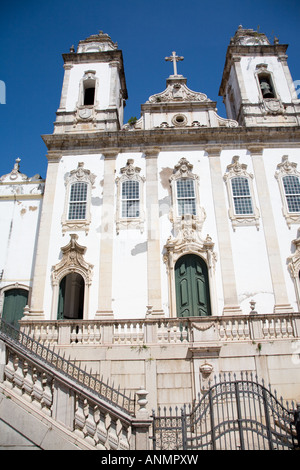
<point>183,171</point>
<point>244,211</point>
<point>80,174</point>
<point>72,261</point>
<point>177,91</point>
<point>123,221</point>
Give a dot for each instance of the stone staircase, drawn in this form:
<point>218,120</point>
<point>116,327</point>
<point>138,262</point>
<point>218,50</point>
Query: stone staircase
<point>48,402</point>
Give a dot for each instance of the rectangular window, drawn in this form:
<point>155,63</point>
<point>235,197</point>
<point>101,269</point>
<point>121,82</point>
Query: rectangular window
<point>292,191</point>
<point>130,199</point>
<point>77,202</point>
<point>241,196</point>
<point>186,197</point>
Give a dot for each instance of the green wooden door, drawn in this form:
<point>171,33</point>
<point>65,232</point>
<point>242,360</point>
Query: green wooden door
<point>14,302</point>
<point>192,289</point>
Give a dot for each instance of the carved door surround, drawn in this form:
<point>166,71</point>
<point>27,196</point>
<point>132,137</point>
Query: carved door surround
<point>189,241</point>
<point>72,262</point>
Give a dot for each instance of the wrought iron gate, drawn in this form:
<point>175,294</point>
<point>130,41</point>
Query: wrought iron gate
<point>233,414</point>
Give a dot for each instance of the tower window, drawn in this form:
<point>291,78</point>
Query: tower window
<point>266,86</point>
<point>89,96</point>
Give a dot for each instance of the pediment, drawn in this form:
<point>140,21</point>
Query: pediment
<point>177,91</point>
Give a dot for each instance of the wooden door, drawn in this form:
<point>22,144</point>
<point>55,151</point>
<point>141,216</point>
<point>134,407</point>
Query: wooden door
<point>192,289</point>
<point>14,302</point>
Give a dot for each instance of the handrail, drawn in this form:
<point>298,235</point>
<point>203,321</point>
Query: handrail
<point>107,392</point>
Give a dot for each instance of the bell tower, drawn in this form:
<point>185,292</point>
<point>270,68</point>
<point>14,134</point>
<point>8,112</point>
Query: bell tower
<point>257,86</point>
<point>94,87</point>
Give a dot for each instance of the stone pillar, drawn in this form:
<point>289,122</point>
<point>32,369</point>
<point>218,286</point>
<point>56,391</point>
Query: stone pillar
<point>282,304</point>
<point>231,305</point>
<point>41,276</point>
<point>64,92</point>
<point>153,235</point>
<point>107,232</point>
<point>114,67</point>
<point>142,422</point>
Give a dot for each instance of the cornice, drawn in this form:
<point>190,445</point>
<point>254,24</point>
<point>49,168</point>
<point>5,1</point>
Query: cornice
<point>224,137</point>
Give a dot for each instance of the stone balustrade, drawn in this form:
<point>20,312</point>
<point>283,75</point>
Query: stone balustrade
<point>89,422</point>
<point>165,331</point>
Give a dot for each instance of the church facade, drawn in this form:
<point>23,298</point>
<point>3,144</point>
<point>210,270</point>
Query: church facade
<point>164,251</point>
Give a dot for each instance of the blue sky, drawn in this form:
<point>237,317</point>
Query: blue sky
<point>34,34</point>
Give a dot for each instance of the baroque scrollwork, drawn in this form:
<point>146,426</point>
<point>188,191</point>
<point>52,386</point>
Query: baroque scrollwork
<point>177,91</point>
<point>242,217</point>
<point>80,174</point>
<point>72,261</point>
<point>130,172</point>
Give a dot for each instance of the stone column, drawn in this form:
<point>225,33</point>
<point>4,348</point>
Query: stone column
<point>282,304</point>
<point>41,276</point>
<point>107,232</point>
<point>231,305</point>
<point>153,234</point>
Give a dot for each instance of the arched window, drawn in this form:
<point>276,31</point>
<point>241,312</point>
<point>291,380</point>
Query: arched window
<point>88,88</point>
<point>14,302</point>
<point>266,86</point>
<point>192,287</point>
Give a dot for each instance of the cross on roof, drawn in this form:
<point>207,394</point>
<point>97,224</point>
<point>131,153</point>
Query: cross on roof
<point>174,58</point>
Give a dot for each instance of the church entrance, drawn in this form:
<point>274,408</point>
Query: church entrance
<point>71,297</point>
<point>14,302</point>
<point>192,287</point>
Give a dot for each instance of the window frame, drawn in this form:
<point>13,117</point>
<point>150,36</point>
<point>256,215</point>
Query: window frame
<point>75,203</point>
<point>130,173</point>
<point>239,170</point>
<point>134,190</point>
<point>182,172</point>
<point>284,169</point>
<point>80,175</point>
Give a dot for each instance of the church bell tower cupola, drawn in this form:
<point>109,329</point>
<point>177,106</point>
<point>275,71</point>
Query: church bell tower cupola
<point>257,86</point>
<point>94,87</point>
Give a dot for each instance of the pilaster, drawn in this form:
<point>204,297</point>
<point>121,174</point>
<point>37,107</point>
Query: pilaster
<point>106,242</point>
<point>65,87</point>
<point>40,270</point>
<point>282,304</point>
<point>231,305</point>
<point>153,243</point>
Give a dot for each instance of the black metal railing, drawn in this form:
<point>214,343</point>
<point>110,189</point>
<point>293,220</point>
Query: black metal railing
<point>233,414</point>
<point>67,367</point>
